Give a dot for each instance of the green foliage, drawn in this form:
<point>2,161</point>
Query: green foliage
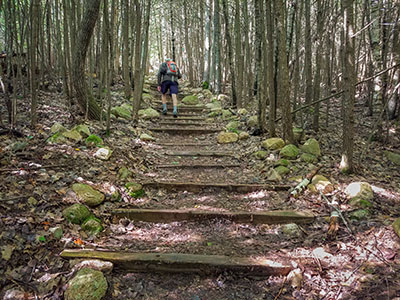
<point>93,141</point>
<point>205,85</point>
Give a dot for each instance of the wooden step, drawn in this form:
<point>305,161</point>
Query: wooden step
<point>199,153</point>
<point>175,215</point>
<point>179,122</point>
<point>178,130</point>
<point>180,117</point>
<point>184,144</point>
<point>198,166</point>
<point>196,186</point>
<point>194,108</point>
<point>185,263</point>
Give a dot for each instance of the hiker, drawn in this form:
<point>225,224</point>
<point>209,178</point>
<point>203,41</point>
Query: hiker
<point>168,76</point>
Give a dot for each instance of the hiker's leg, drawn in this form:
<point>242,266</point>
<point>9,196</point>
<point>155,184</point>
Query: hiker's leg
<point>174,100</point>
<point>174,92</point>
<point>164,89</point>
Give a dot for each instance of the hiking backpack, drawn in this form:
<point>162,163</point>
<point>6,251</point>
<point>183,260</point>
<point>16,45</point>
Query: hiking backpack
<point>172,68</point>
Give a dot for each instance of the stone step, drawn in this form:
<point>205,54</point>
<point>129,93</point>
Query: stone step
<point>178,130</point>
<point>185,263</point>
<point>198,186</point>
<point>175,215</point>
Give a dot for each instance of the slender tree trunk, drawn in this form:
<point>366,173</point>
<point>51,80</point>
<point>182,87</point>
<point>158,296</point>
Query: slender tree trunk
<point>125,50</point>
<point>33,59</point>
<point>239,57</point>
<point>270,69</point>
<point>308,52</point>
<point>82,44</point>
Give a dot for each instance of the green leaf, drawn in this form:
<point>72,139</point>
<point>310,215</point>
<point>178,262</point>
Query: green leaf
<point>42,239</point>
<point>209,243</point>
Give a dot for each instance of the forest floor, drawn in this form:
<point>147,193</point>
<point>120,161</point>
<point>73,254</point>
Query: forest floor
<point>360,261</point>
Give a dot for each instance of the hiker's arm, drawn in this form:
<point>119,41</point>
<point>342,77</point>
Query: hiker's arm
<point>179,74</point>
<point>161,71</point>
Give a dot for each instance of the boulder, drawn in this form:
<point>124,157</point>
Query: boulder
<point>76,213</point>
<point>232,125</point>
<point>289,151</point>
<point>87,194</point>
<point>127,107</point>
<point>121,112</point>
<point>282,162</point>
<point>311,146</point>
<point>215,113</point>
<point>148,113</point>
<point>273,143</point>
<point>282,170</point>
<point>243,135</point>
<point>214,105</point>
<point>93,141</point>
<point>92,226</point>
<point>57,127</point>
<point>190,100</point>
<point>360,194</point>
<point>226,114</point>
<point>146,137</point>
<point>227,137</point>
<point>72,135</point>
<point>393,157</point>
<point>308,158</point>
<point>252,121</point>
<point>261,154</point>
<point>87,284</point>
<point>103,154</point>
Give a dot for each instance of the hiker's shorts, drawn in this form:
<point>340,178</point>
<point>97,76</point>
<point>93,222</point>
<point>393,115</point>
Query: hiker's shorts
<point>171,85</point>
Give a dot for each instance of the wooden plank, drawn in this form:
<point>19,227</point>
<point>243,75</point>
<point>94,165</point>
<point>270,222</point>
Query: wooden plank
<point>185,114</point>
<point>196,186</point>
<point>197,166</point>
<point>179,122</point>
<point>199,153</point>
<point>178,130</point>
<point>185,144</point>
<point>185,108</point>
<point>175,215</point>
<point>180,117</point>
<point>185,263</point>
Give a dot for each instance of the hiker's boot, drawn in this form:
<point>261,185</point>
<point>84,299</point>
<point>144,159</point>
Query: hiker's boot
<point>175,112</point>
<point>164,109</point>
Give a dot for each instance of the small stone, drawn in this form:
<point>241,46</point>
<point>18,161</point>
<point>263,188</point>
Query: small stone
<point>124,173</point>
<point>273,175</point>
<point>76,213</point>
<point>94,264</point>
<point>146,137</point>
<point>243,136</point>
<point>57,232</point>
<point>191,100</point>
<point>103,153</point>
<point>87,284</point>
<point>242,111</point>
<point>227,137</point>
<point>396,226</point>
<point>292,230</point>
<point>232,126</point>
<point>83,130</point>
<point>360,194</point>
<point>311,146</point>
<point>289,152</point>
<point>92,226</point>
<point>321,183</point>
<point>359,214</point>
<point>273,144</point>
<point>226,114</point>
<point>87,194</point>
<point>261,154</point>
<point>134,189</point>
<point>72,135</point>
<point>57,127</point>
<point>127,106</point>
<point>7,251</point>
<point>298,134</point>
<point>32,201</point>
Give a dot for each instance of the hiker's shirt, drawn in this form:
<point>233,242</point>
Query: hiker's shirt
<point>164,76</point>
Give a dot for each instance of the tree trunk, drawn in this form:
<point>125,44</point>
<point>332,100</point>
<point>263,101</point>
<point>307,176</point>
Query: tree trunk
<point>308,52</point>
<point>33,58</point>
<point>270,69</point>
<point>82,43</point>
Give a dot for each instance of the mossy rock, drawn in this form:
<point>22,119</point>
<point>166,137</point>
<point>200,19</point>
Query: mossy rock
<point>146,137</point>
<point>232,125</point>
<point>308,158</point>
<point>360,214</point>
<point>282,162</point>
<point>57,138</point>
<point>92,226</point>
<point>311,146</point>
<point>87,284</point>
<point>226,114</point>
<point>76,213</point>
<point>273,143</point>
<point>121,112</point>
<point>207,93</point>
<point>260,154</point>
<point>282,170</point>
<point>93,141</point>
<point>227,137</point>
<point>87,194</point>
<point>273,175</point>
<point>83,130</point>
<point>252,121</point>
<point>214,114</point>
<point>242,111</point>
<point>214,105</point>
<point>292,230</point>
<point>128,107</point>
<point>243,135</point>
<point>134,189</point>
<point>320,183</point>
<point>360,194</point>
<point>191,100</point>
<point>289,151</point>
<point>124,173</point>
<point>147,97</point>
<point>393,157</point>
<point>148,113</point>
<point>73,135</point>
<point>396,226</point>
<point>57,127</point>
<point>298,134</point>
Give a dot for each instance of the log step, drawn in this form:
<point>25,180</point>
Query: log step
<point>197,166</point>
<point>180,117</point>
<point>185,144</point>
<point>179,122</point>
<point>196,186</point>
<point>175,215</point>
<point>185,263</point>
<point>199,153</point>
<point>177,130</point>
<point>185,108</point>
